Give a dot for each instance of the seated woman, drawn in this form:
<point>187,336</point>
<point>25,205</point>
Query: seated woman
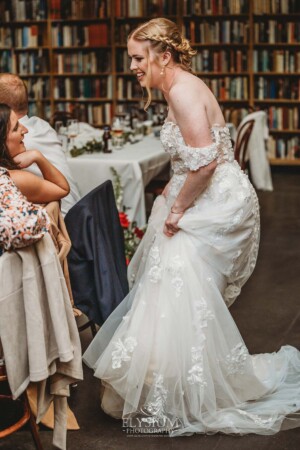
<point>23,222</point>
<point>14,157</point>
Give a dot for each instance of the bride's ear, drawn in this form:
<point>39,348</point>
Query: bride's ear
<point>166,57</point>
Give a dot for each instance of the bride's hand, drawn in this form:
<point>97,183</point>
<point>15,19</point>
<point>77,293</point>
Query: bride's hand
<point>171,224</point>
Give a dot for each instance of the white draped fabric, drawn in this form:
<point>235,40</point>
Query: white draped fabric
<point>257,154</point>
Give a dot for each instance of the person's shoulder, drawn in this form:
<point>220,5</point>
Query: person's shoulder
<point>187,93</point>
<point>37,124</point>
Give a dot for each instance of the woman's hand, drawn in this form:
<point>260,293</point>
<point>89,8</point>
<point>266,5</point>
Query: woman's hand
<point>171,223</point>
<point>27,158</point>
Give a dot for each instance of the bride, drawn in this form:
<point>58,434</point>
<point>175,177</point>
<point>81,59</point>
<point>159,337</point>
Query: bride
<point>171,355</point>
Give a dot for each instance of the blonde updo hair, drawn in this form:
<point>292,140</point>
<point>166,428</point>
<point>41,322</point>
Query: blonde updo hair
<point>164,35</point>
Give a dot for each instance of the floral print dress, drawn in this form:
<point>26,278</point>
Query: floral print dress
<point>22,223</point>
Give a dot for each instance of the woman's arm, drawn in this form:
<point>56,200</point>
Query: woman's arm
<point>54,186</point>
<point>196,131</point>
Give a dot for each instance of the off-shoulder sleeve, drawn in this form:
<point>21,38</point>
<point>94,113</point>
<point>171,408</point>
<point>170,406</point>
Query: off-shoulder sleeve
<point>196,157</point>
<point>21,222</point>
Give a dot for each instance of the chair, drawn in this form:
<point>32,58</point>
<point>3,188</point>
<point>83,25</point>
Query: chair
<point>241,144</point>
<point>26,416</point>
<point>97,264</point>
<point>156,186</point>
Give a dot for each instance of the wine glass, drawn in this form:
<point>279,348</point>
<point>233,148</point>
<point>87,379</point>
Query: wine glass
<point>72,131</point>
<point>61,134</point>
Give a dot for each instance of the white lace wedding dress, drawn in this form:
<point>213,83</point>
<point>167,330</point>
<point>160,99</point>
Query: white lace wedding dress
<point>171,355</point>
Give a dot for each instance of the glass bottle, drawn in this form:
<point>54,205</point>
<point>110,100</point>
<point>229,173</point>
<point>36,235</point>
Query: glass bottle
<point>107,142</point>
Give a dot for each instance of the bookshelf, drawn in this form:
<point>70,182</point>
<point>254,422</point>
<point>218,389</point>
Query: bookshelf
<point>72,53</point>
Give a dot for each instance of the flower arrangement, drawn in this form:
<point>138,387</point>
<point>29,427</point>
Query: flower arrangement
<point>132,233</point>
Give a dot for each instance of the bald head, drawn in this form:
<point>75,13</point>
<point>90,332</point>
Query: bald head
<point>13,92</point>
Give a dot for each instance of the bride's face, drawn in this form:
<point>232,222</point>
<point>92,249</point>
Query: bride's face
<point>144,63</point>
<point>15,136</point>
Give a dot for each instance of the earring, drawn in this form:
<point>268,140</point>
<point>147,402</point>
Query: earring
<point>162,72</point>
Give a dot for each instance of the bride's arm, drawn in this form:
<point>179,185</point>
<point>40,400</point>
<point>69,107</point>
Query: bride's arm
<point>195,130</point>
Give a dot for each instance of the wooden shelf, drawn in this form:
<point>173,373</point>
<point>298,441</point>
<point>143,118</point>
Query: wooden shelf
<point>275,131</point>
<point>284,162</point>
<point>82,100</point>
<point>114,48</point>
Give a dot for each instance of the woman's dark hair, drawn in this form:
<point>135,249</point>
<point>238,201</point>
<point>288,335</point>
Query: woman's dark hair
<point>5,159</point>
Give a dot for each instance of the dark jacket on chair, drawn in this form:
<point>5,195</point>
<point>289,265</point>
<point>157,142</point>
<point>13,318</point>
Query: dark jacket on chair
<point>97,263</point>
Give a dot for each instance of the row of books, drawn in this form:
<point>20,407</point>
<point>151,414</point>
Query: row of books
<point>203,7</point>
<point>23,10</point>
<point>88,35</point>
<point>6,62</point>
<point>276,61</point>
<point>122,31</point>
<point>228,88</point>
<point>145,8</point>
<point>128,89</point>
<point>5,37</point>
<point>28,36</point>
<point>79,9</point>
<point>284,118</point>
<point>216,32</point>
<point>40,109</point>
<point>87,62</point>
<point>97,115</point>
<point>277,88</point>
<point>38,88</point>
<point>234,115</point>
<point>82,88</point>
<point>274,31</point>
<point>276,6</point>
<point>220,61</point>
<point>31,62</point>
<point>284,148</point>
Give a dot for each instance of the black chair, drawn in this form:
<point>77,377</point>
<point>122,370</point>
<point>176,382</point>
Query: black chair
<point>97,264</point>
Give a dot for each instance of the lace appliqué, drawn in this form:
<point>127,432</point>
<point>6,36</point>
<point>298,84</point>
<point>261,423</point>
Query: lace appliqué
<point>221,137</point>
<point>236,360</point>
<point>155,271</point>
<point>157,407</point>
<point>123,351</point>
<point>196,373</point>
<point>202,316</point>
<point>175,268</point>
<point>194,158</point>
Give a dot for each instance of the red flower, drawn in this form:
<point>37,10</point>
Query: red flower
<point>127,261</point>
<point>138,232</point>
<point>124,220</point>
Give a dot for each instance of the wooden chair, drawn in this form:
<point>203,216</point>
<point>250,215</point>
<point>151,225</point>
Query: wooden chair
<point>27,415</point>
<point>156,186</point>
<point>241,143</point>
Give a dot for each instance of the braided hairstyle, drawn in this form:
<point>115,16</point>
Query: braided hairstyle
<point>5,159</point>
<point>164,35</point>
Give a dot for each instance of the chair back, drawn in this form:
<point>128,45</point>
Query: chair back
<point>62,116</point>
<point>97,263</point>
<point>241,145</point>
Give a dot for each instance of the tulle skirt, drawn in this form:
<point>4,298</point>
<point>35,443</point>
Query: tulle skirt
<point>171,356</point>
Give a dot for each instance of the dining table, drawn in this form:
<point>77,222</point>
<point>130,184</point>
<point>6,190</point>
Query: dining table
<point>136,164</point>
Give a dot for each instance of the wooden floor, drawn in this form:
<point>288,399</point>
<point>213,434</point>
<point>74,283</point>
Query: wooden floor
<point>267,314</point>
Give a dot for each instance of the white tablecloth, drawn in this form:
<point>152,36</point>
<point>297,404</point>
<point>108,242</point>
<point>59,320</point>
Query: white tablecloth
<point>136,163</point>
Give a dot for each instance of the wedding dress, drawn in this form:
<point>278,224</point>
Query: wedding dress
<point>171,355</point>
